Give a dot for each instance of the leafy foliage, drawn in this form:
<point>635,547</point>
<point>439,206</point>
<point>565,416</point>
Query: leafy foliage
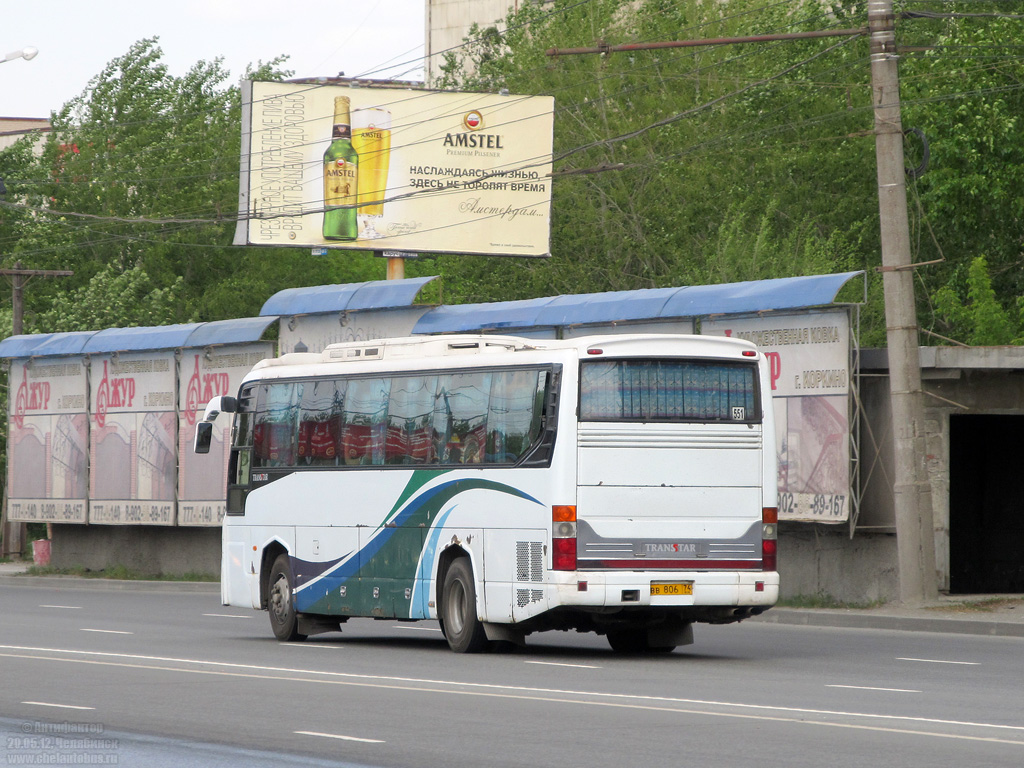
<point>673,167</point>
<point>706,196</point>
<point>760,162</point>
<point>981,320</point>
<point>114,298</point>
<point>136,191</point>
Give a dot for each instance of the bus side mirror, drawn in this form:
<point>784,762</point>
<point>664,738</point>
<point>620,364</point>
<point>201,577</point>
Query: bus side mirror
<point>204,436</point>
<point>204,429</point>
<point>218,405</point>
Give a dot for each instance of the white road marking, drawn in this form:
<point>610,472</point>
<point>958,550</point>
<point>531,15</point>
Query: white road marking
<point>419,629</point>
<point>339,736</point>
<point>69,607</point>
<point>310,645</point>
<point>560,664</point>
<point>227,615</point>
<point>108,631</point>
<point>941,661</point>
<point>774,713</point>
<point>868,687</point>
<point>59,706</point>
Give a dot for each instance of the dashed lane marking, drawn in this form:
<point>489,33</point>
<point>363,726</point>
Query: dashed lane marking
<point>339,736</point>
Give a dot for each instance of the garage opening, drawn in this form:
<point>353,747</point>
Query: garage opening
<point>986,504</point>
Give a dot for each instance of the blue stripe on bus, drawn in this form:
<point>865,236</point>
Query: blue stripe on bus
<point>419,608</point>
<point>308,595</point>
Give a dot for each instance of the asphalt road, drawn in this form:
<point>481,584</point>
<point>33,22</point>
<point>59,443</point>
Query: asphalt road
<point>163,678</point>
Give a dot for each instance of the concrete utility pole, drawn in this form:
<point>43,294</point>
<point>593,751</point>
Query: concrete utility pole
<point>19,277</point>
<point>915,533</point>
<point>14,533</point>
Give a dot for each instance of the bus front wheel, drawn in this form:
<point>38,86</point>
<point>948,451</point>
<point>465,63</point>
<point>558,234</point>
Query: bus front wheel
<point>280,602</point>
<point>462,628</point>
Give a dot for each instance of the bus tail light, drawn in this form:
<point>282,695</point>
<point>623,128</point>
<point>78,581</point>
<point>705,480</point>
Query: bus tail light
<point>769,539</point>
<point>563,538</point>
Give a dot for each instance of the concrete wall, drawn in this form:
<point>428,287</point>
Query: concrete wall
<point>819,560</point>
<point>146,549</point>
<point>956,380</point>
<point>448,22</point>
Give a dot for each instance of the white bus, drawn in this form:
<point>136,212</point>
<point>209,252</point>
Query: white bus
<point>624,485</point>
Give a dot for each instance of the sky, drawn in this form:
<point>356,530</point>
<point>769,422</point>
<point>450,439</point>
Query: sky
<point>77,38</point>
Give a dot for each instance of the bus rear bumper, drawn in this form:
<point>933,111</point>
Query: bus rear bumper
<point>630,589</point>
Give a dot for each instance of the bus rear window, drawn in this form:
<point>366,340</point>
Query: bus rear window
<point>668,390</point>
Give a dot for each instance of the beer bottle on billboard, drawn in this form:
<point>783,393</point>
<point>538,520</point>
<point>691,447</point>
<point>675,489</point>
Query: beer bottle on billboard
<point>341,165</point>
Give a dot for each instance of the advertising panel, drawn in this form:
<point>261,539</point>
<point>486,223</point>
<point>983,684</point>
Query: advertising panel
<point>395,169</point>
<point>314,333</point>
<point>47,460</point>
<point>133,427</point>
<point>809,357</point>
<point>202,478</point>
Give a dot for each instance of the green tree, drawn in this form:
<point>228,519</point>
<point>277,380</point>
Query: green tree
<point>965,94</point>
<point>113,298</point>
<point>709,187</point>
<point>980,319</point>
<point>742,162</point>
<point>136,191</point>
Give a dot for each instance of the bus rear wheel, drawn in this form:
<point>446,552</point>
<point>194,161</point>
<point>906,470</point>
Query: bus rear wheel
<point>462,628</point>
<point>280,602</point>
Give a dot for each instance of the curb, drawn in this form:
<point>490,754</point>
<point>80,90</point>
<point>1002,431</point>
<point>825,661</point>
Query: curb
<point>112,585</point>
<point>903,623</point>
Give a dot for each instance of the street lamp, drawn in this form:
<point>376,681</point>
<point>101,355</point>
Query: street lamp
<point>24,53</point>
<point>14,534</point>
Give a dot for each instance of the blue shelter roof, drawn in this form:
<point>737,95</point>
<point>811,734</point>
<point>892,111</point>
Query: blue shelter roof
<point>23,345</point>
<point>129,339</point>
<point>238,331</point>
<point>375,294</point>
<point>648,304</point>
<point>136,339</point>
<point>61,344</point>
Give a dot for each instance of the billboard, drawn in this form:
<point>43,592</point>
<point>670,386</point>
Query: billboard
<point>133,477</point>
<point>204,374</point>
<point>47,460</point>
<point>395,169</point>
<point>809,356</point>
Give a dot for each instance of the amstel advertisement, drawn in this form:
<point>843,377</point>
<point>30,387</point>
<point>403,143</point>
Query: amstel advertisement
<point>395,169</point>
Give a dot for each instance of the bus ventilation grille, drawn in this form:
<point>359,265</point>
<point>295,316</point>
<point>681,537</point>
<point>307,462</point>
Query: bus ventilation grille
<point>529,567</point>
<point>529,561</point>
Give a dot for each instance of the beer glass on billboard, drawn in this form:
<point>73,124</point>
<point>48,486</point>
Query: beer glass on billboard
<point>371,138</point>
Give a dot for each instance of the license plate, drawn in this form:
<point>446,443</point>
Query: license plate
<point>671,588</point>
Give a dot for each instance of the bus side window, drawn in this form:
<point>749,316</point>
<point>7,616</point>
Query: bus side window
<point>275,428</point>
<point>460,417</point>
<point>319,434</point>
<point>364,421</point>
<point>514,414</point>
<point>410,408</point>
